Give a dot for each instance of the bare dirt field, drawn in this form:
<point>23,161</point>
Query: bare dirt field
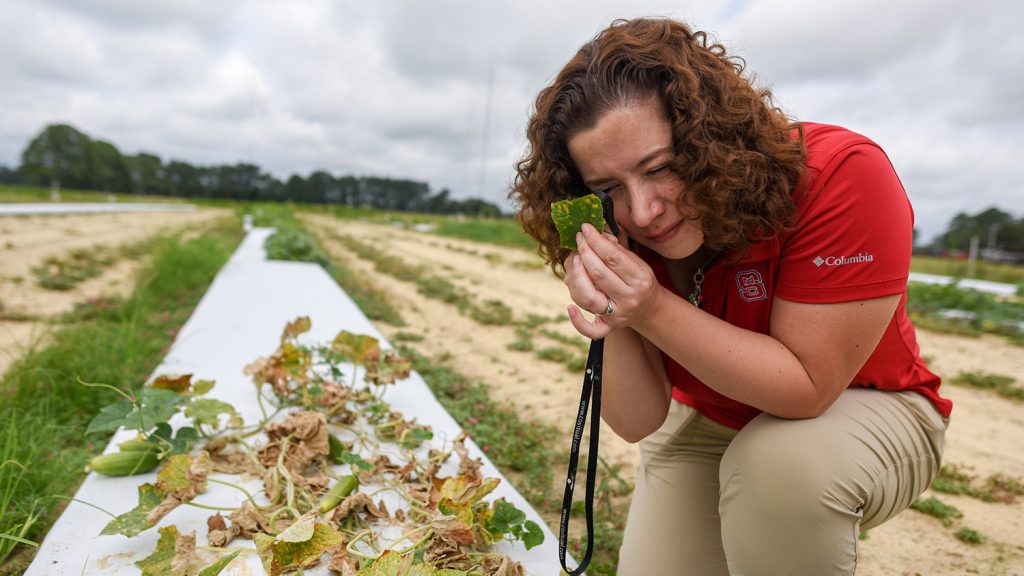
<point>986,435</point>
<point>26,242</point>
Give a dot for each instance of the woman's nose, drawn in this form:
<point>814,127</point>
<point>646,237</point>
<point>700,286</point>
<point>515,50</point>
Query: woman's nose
<point>645,207</point>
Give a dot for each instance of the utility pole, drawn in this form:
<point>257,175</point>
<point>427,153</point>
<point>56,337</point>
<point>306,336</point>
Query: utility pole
<point>972,257</point>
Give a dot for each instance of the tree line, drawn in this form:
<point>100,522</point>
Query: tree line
<point>996,232</point>
<point>63,156</point>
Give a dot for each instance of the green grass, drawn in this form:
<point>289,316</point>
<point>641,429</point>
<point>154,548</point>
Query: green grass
<point>957,268</point>
<point>292,241</point>
<point>969,536</point>
<point>488,312</point>
<point>937,508</point>
<point>496,231</point>
<point>21,194</point>
<point>997,487</point>
<point>511,441</point>
<point>44,410</point>
<point>978,312</point>
<point>502,232</point>
<point>1005,386</point>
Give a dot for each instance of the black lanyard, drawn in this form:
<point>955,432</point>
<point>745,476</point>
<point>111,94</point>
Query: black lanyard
<point>591,392</point>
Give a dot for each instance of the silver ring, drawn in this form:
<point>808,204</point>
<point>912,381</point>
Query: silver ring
<point>608,309</point>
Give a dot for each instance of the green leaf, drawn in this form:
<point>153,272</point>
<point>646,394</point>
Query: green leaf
<point>216,568</point>
<point>111,417</point>
<point>300,531</point>
<point>278,556</point>
<point>416,436</point>
<point>208,410</point>
<point>152,406</point>
<point>200,387</point>
<point>174,475</point>
<point>360,348</point>
<point>157,406</point>
<point>159,562</point>
<point>570,215</point>
<point>505,517</point>
<point>134,521</point>
<point>390,563</point>
<point>534,536</point>
<point>180,442</point>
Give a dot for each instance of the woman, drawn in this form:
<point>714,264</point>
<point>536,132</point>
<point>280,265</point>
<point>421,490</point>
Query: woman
<point>757,343</point>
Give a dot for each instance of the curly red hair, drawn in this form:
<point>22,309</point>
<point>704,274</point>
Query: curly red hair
<point>738,155</point>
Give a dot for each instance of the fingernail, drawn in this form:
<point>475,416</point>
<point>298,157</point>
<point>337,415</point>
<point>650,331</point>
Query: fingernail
<point>579,237</point>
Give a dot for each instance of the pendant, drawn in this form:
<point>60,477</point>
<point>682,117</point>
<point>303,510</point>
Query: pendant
<point>696,297</point>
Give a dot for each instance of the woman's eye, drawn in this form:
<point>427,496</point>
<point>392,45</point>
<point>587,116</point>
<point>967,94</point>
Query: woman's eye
<point>657,169</point>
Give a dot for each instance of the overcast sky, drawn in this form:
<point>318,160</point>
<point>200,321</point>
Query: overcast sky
<point>440,90</point>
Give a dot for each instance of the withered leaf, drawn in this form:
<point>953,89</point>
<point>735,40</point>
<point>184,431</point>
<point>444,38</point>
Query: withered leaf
<point>300,325</point>
<point>177,384</point>
<point>360,348</point>
<point>136,520</point>
<point>278,556</point>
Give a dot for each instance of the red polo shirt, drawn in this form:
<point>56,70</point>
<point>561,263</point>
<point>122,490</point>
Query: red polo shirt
<point>852,241</point>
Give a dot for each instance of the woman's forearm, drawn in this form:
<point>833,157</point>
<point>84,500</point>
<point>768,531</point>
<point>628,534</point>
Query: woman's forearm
<point>636,393</point>
<point>749,367</point>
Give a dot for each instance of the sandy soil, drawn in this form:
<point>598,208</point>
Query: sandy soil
<point>986,433</point>
<point>27,241</point>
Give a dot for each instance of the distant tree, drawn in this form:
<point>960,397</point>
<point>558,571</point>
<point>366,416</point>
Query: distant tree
<point>110,172</point>
<point>476,207</point>
<point>10,176</point>
<point>59,156</point>
<point>183,179</point>
<point>147,173</point>
<point>989,224</point>
<point>439,203</point>
<point>319,186</point>
<point>295,188</point>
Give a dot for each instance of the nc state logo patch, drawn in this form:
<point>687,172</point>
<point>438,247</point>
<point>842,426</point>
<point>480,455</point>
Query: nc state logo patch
<point>751,286</point>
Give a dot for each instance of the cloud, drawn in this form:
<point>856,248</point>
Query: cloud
<point>441,91</point>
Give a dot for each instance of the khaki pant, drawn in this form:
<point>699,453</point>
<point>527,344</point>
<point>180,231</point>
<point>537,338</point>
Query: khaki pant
<point>780,497</point>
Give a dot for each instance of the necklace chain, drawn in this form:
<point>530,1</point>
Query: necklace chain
<point>696,297</point>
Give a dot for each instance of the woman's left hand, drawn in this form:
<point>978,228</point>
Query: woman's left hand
<point>603,274</point>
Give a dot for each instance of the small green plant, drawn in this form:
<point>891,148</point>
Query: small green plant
<point>523,341</point>
<point>969,536</point>
<point>964,311</point>
<point>407,337</point>
<point>934,507</point>
<point>297,245</point>
<point>1005,386</point>
<point>954,479</point>
<point>558,354</point>
<point>76,266</point>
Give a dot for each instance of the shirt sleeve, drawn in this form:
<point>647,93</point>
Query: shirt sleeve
<point>854,233</point>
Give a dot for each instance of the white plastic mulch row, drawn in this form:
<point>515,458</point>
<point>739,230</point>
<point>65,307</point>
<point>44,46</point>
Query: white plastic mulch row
<point>239,319</point>
<point>997,288</point>
<point>89,208</point>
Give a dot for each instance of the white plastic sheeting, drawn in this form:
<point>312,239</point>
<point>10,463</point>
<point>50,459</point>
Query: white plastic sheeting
<point>89,208</point>
<point>239,319</point>
<point>998,288</point>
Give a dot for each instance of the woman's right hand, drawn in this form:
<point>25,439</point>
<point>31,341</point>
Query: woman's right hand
<point>603,273</point>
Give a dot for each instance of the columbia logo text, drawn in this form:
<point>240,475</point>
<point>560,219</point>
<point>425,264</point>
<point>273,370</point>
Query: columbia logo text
<point>844,260</point>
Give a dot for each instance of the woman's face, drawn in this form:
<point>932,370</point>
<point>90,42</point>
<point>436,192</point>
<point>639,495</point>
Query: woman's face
<point>627,154</point>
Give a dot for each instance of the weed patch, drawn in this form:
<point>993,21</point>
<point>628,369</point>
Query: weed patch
<point>119,341</point>
<point>964,311</point>
<point>1005,386</point>
<point>969,536</point>
<point>937,508</point>
<point>295,243</point>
